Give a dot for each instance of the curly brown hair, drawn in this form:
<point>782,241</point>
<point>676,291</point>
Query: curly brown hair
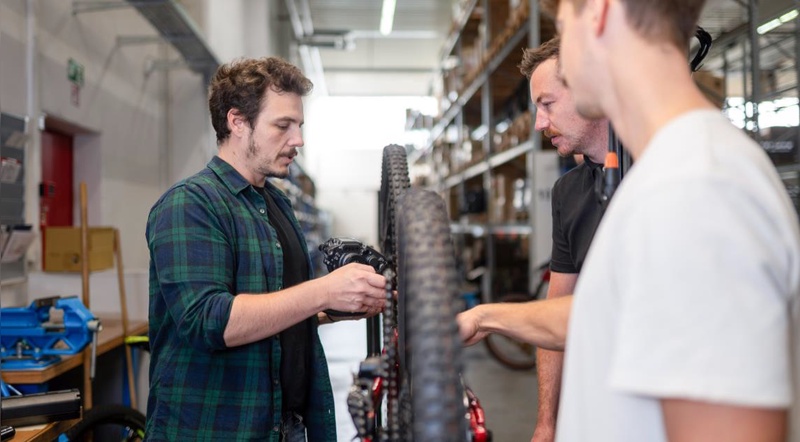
<point>533,57</point>
<point>241,85</point>
<point>673,20</point>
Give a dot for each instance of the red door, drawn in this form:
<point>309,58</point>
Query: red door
<point>55,200</point>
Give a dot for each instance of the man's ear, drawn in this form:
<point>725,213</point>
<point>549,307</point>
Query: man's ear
<point>599,11</point>
<point>237,124</point>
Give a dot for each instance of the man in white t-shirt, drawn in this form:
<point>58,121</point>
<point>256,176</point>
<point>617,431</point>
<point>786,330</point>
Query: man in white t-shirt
<point>686,324</point>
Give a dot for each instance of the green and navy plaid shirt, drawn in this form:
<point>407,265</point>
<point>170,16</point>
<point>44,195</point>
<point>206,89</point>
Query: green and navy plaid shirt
<point>209,239</point>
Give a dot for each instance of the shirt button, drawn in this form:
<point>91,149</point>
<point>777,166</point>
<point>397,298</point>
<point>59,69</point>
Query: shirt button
<point>278,245</point>
<point>276,382</point>
<point>261,210</point>
<point>280,287</point>
<point>276,429</point>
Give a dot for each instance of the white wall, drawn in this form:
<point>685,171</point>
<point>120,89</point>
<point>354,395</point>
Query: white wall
<point>344,141</point>
<point>347,186</point>
<point>246,28</point>
<point>138,130</point>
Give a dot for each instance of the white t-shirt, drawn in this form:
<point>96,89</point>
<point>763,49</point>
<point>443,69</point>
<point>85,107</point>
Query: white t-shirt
<point>690,289</point>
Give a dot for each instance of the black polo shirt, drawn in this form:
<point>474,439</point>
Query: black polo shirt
<point>576,215</point>
<point>295,340</point>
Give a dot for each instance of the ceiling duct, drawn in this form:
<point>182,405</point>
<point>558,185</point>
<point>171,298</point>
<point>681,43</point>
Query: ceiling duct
<point>176,27</point>
<point>309,44</point>
<point>329,39</point>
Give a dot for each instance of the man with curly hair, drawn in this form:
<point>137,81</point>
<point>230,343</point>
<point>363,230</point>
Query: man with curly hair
<point>233,309</point>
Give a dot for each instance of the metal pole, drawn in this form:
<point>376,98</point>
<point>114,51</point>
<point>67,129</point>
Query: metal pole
<point>745,85</point>
<point>755,65</point>
<point>534,40</point>
<point>725,69</point>
<point>460,188</point>
<point>461,136</point>
<point>486,118</point>
<point>797,79</point>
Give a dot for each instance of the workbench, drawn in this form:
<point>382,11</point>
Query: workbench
<point>110,337</point>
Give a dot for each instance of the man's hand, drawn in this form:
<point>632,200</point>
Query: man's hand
<point>355,288</point>
<point>469,326</point>
<point>541,323</point>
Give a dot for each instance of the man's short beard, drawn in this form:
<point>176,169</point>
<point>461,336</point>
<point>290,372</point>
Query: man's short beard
<point>278,174</point>
<point>252,151</point>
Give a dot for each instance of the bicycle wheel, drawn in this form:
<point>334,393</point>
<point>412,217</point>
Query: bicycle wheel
<point>428,298</point>
<point>394,181</point>
<point>510,352</point>
<point>109,423</point>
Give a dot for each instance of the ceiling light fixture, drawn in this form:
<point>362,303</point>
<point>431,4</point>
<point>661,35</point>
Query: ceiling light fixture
<point>387,16</point>
<point>772,24</point>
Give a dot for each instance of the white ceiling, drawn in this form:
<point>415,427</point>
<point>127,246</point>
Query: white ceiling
<point>402,63</point>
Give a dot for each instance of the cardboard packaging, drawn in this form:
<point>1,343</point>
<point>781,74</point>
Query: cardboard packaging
<point>62,249</point>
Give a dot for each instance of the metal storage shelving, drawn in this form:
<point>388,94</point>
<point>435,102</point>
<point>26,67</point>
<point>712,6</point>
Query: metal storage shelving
<point>486,91</point>
<point>13,140</point>
<point>753,64</point>
<point>756,54</point>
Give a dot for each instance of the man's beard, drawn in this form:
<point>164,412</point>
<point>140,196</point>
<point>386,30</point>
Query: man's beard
<point>252,154</point>
<point>252,150</point>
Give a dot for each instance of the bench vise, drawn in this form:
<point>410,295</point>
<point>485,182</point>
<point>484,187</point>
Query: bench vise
<point>38,335</point>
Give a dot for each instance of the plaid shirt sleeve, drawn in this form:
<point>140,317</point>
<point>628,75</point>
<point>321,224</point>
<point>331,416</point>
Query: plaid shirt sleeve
<point>193,259</point>
<point>208,241</point>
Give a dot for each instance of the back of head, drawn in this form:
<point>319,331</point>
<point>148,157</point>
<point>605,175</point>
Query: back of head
<point>533,57</point>
<point>673,21</point>
<point>242,84</point>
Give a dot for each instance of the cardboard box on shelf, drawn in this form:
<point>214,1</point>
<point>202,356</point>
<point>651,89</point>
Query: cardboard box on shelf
<point>499,15</point>
<point>497,203</point>
<point>62,249</point>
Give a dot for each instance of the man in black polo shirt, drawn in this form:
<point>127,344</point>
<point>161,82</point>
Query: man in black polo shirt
<point>576,211</point>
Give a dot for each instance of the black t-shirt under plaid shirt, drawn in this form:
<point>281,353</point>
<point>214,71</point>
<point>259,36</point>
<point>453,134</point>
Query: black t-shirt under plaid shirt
<point>295,345</point>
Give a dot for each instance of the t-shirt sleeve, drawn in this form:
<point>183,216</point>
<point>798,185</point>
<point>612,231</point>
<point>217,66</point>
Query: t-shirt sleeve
<point>560,258</point>
<point>704,312</point>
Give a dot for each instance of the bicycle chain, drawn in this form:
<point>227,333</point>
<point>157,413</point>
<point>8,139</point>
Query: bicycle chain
<point>389,362</point>
<point>359,403</point>
<point>359,400</point>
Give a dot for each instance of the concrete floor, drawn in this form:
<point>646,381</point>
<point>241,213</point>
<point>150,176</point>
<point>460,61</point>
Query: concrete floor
<point>508,397</point>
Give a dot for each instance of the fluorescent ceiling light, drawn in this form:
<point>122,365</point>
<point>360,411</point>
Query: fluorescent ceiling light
<point>387,16</point>
<point>791,15</point>
<point>772,24</point>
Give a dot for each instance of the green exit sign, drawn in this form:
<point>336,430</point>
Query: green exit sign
<point>75,72</point>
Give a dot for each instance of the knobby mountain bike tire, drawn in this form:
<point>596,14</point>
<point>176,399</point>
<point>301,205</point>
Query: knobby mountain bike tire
<point>428,298</point>
<point>109,422</point>
<point>394,181</point>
